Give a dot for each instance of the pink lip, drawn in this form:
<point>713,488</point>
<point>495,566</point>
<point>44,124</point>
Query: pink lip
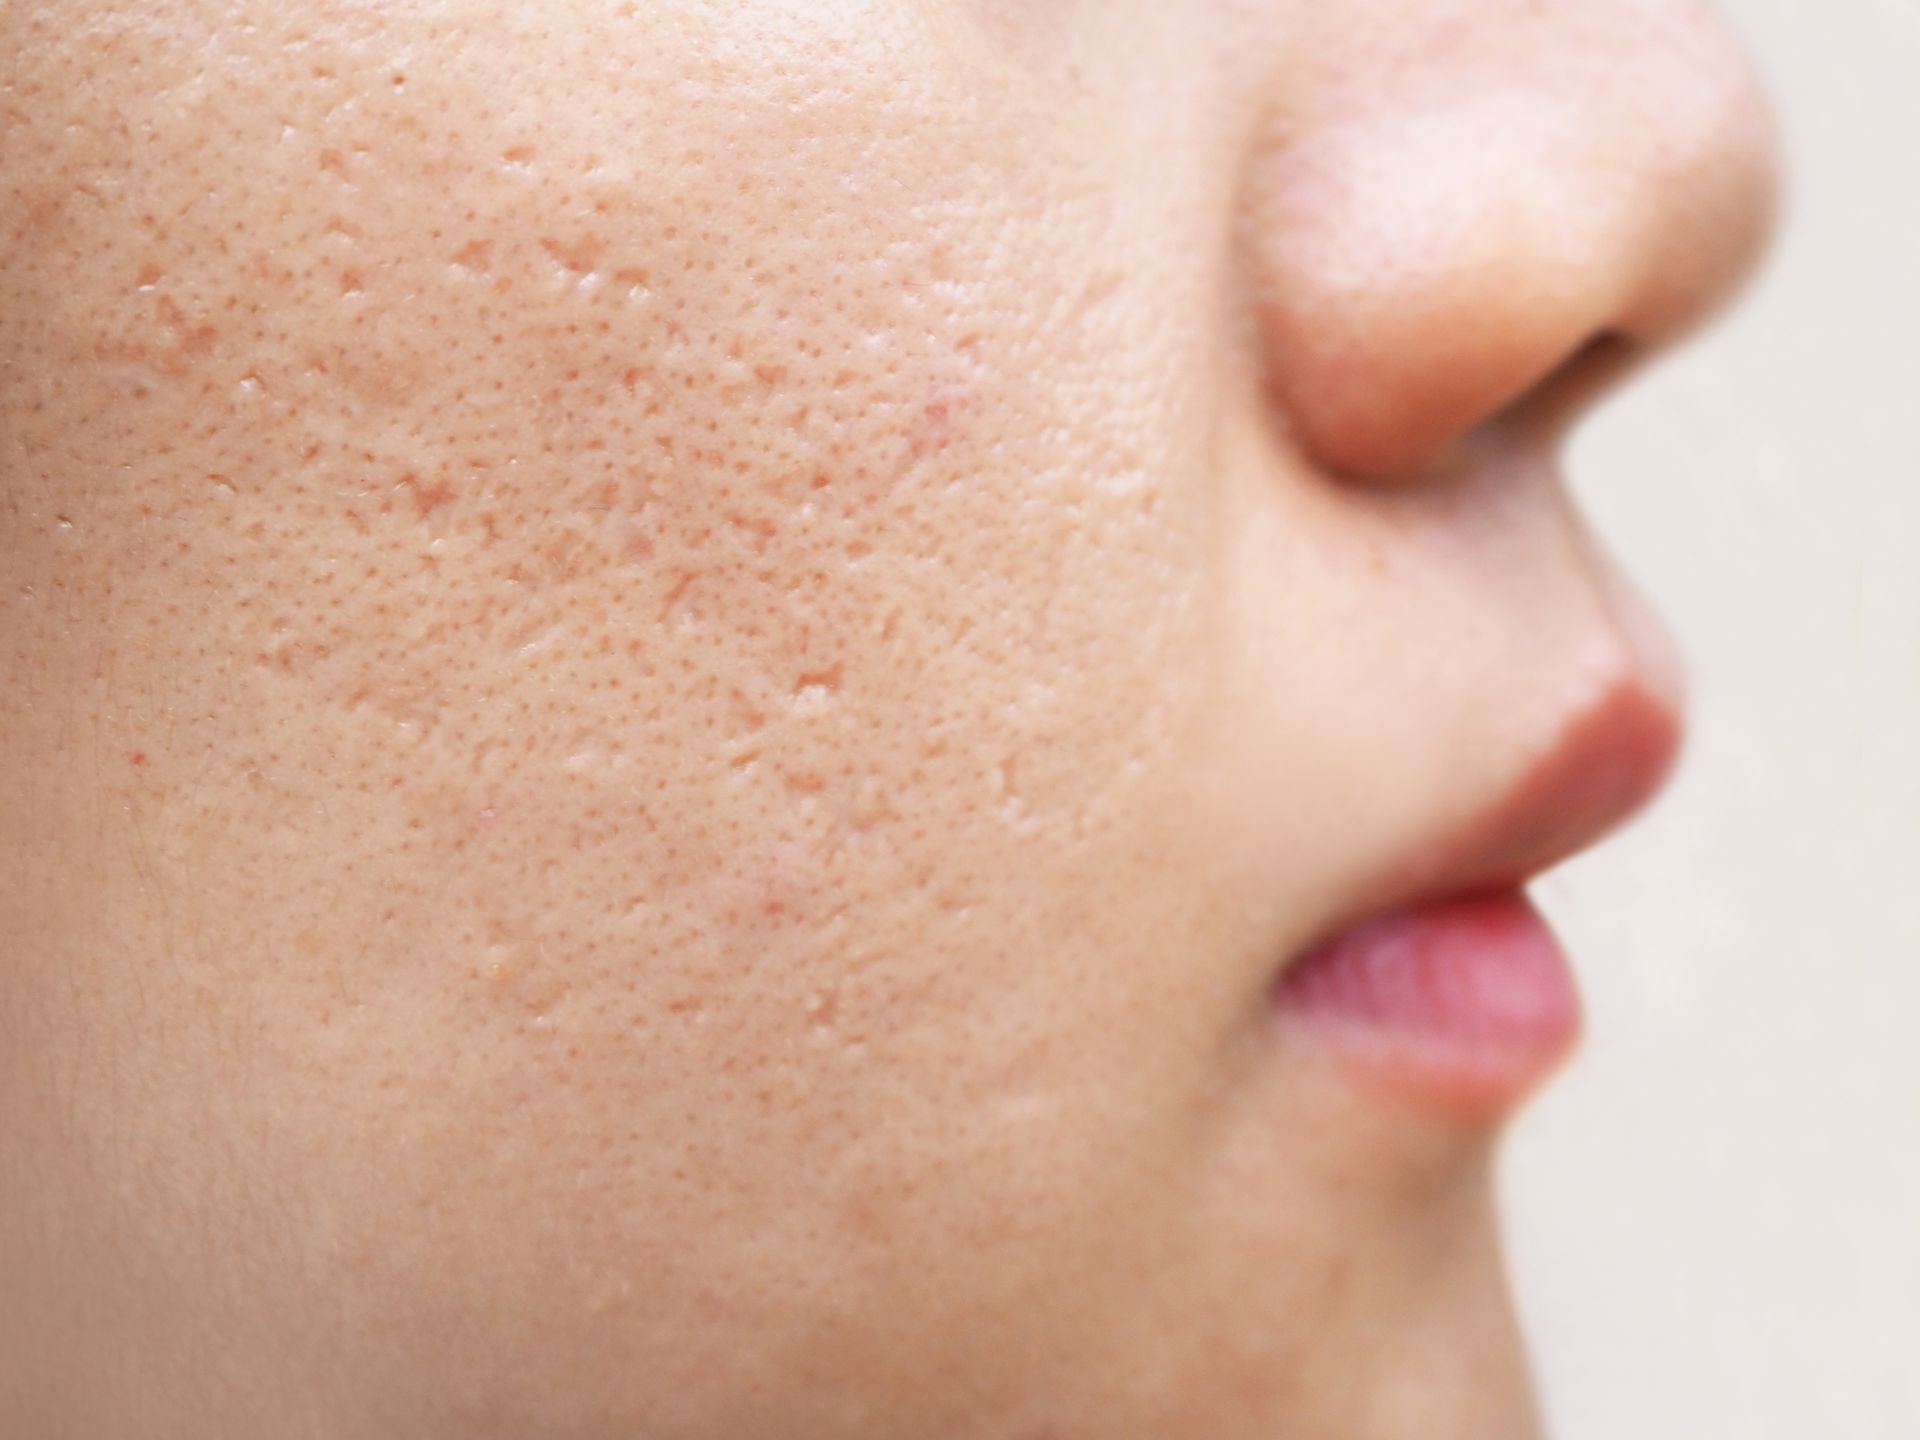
<point>1444,985</point>
<point>1463,1004</point>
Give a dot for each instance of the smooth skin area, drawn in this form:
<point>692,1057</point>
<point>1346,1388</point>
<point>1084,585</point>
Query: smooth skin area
<point>676,674</point>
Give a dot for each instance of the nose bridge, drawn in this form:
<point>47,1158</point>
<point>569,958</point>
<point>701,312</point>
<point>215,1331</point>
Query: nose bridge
<point>1450,223</point>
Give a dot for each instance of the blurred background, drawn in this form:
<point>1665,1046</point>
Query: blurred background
<point>1714,1216</point>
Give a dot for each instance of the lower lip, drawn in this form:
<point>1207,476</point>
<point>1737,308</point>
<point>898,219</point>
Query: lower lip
<point>1463,1005</point>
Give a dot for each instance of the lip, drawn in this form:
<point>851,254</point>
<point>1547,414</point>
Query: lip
<point>1443,985</point>
<point>1463,1004</point>
<point>1602,766</point>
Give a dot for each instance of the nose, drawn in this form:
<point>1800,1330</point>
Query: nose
<point>1472,207</point>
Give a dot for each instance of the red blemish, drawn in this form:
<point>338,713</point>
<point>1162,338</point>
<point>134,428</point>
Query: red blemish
<point>784,882</point>
<point>139,757</point>
<point>940,416</point>
<point>427,498</point>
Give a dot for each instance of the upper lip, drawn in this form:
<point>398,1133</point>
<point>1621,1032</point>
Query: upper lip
<point>1604,762</point>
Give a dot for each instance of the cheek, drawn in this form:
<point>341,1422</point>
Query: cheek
<point>759,904</point>
<point>682,684</point>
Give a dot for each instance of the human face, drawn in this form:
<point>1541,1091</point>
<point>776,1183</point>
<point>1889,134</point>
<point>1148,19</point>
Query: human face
<point>680,673</point>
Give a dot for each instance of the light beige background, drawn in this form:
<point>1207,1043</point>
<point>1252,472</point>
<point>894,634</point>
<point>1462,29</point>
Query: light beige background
<point>1715,1215</point>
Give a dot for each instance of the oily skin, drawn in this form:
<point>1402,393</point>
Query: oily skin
<point>676,673</point>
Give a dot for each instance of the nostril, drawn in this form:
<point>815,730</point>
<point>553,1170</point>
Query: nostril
<point>1540,408</point>
<point>1550,407</point>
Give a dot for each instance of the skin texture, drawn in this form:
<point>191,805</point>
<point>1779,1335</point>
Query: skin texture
<point>676,673</point>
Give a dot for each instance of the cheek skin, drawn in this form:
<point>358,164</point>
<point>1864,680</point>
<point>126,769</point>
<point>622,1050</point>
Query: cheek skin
<point>659,736</point>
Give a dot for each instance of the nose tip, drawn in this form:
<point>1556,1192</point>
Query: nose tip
<point>1700,146</point>
<point>1448,231</point>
